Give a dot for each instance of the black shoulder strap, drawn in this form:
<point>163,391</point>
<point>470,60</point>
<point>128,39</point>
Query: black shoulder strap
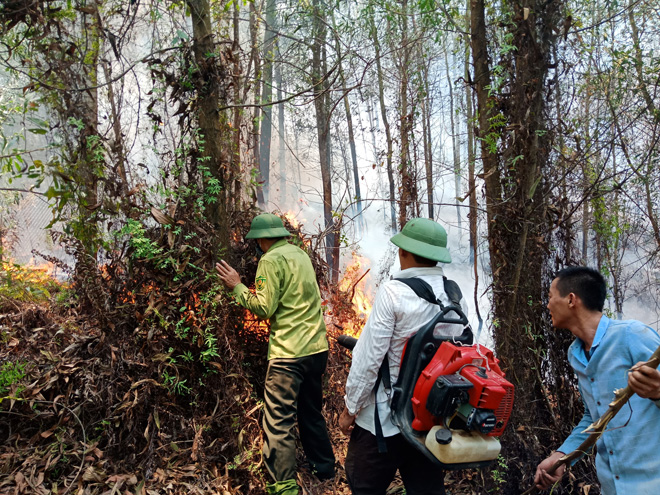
<point>421,288</point>
<point>453,291</point>
<point>425,291</point>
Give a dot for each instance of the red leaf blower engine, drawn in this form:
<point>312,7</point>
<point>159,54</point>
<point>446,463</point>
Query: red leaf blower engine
<point>451,400</point>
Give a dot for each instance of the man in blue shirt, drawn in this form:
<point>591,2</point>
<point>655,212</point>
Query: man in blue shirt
<point>602,355</point>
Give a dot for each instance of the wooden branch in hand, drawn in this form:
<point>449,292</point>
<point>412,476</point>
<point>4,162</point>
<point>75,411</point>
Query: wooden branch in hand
<point>596,429</point>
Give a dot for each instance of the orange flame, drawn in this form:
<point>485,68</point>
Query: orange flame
<point>254,325</point>
<point>354,285</point>
<point>291,217</point>
<point>31,271</point>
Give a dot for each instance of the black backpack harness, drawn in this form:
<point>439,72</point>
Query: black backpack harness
<point>425,291</point>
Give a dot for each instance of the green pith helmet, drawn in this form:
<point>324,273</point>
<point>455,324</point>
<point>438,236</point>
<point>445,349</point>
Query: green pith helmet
<point>425,238</point>
<point>266,226</point>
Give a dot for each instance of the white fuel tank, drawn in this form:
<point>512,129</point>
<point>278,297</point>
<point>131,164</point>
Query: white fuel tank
<point>465,446</point>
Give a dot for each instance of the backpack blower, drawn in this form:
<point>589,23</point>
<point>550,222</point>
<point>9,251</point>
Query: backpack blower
<point>451,400</point>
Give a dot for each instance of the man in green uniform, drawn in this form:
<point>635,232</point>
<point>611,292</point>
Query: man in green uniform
<point>287,294</point>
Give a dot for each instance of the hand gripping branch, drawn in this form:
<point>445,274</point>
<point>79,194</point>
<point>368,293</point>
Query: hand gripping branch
<point>596,429</point>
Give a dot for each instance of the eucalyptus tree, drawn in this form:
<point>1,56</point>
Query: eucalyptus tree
<point>349,119</point>
<point>369,14</point>
<point>281,130</point>
<point>266,123</point>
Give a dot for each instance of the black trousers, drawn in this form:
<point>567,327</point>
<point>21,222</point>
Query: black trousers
<point>370,472</point>
<point>294,388</point>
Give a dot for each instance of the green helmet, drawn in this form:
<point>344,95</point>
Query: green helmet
<point>267,226</point>
<point>425,238</point>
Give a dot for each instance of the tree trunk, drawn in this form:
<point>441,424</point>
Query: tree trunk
<point>471,158</point>
<point>89,149</point>
<point>322,106</point>
<point>266,99</point>
<point>208,101</point>
<point>254,59</point>
<point>351,133</point>
<point>236,146</point>
<point>455,144</point>
<point>405,126</point>
<point>428,151</point>
<point>383,111</point>
<point>281,130</point>
<point>514,150</point>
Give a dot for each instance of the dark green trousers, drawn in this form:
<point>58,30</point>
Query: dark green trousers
<point>294,389</point>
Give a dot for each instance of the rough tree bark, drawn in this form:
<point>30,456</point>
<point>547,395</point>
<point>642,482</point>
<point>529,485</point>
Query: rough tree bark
<point>514,150</point>
<point>405,123</point>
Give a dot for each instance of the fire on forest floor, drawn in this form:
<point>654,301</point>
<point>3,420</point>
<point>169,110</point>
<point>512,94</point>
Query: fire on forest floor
<point>83,410</point>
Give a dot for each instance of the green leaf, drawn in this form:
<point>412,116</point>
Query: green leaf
<point>52,193</point>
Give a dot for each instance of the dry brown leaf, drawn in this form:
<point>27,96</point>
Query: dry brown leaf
<point>93,474</point>
<point>20,482</point>
<point>47,433</point>
<point>160,217</point>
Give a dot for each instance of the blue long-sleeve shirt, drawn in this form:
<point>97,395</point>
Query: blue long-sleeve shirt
<point>628,453</point>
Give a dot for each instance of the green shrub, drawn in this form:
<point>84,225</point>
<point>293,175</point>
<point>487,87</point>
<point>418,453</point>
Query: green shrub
<point>10,374</point>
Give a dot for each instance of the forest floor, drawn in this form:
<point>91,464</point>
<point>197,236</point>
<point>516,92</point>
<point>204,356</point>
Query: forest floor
<point>83,410</point>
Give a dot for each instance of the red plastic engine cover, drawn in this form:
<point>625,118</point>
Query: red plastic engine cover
<point>490,392</point>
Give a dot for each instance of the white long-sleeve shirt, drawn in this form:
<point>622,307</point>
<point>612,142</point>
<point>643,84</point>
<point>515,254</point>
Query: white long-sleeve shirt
<point>397,314</point>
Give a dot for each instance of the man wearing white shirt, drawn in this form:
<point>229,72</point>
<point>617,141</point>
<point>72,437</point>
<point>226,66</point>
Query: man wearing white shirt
<point>397,314</point>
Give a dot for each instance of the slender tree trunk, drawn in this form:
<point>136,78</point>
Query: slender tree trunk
<point>373,125</point>
<point>586,181</point>
<point>428,152</point>
<point>383,111</point>
<point>351,133</point>
<point>266,99</point>
<point>281,129</point>
<point>254,58</point>
<point>406,119</point>
<point>455,144</point>
<point>236,146</point>
<point>471,157</point>
<point>89,148</point>
<point>322,106</point>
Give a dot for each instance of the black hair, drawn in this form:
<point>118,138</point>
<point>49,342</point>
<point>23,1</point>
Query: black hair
<point>588,284</point>
<point>423,261</point>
